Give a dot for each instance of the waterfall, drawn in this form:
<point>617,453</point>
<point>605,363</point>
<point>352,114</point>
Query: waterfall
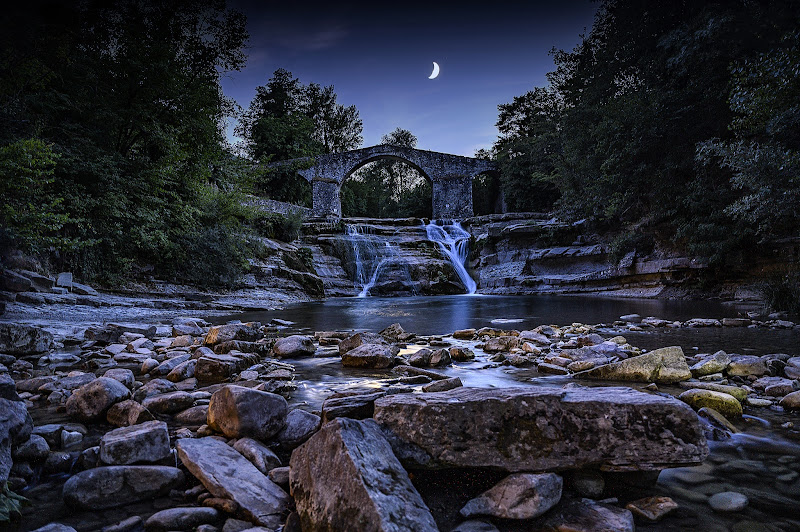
<point>453,240</point>
<point>372,255</point>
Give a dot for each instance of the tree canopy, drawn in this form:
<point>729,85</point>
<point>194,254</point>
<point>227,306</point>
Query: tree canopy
<point>126,97</point>
<point>289,120</point>
<point>678,116</point>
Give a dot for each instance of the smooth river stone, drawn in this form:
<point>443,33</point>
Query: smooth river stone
<point>540,428</point>
<point>227,474</point>
<point>107,487</point>
<point>663,366</point>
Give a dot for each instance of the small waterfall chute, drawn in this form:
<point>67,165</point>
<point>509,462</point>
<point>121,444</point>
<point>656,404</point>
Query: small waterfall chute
<point>453,241</point>
<point>372,256</point>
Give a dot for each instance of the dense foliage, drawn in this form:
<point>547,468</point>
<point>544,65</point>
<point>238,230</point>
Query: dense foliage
<point>289,120</point>
<point>118,110</point>
<point>388,189</point>
<point>680,118</point>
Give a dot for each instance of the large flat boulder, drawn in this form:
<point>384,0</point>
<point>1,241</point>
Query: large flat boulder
<point>664,366</point>
<point>541,428</point>
<point>14,282</point>
<point>107,487</point>
<point>21,340</point>
<point>227,474</point>
<point>346,477</point>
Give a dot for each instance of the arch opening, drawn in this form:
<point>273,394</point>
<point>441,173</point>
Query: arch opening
<point>387,186</point>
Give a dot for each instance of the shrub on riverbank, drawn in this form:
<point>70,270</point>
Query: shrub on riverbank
<point>782,292</point>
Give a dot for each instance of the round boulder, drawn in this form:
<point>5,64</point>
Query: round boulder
<point>725,404</point>
<point>293,346</point>
<point>791,401</point>
<point>240,412</point>
<point>373,356</point>
<point>91,401</point>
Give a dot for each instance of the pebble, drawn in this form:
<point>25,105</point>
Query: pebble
<point>728,501</point>
<point>755,401</point>
<point>652,509</point>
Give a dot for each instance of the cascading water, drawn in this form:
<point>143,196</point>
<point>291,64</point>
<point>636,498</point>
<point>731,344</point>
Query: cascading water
<point>453,240</point>
<point>372,255</point>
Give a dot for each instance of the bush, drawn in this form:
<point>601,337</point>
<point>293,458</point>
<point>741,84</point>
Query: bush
<point>216,256</point>
<point>782,292</point>
<point>31,215</point>
<point>286,228</point>
<point>634,240</point>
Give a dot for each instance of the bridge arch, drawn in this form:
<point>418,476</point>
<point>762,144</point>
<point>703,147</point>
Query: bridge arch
<point>450,177</point>
<point>385,157</point>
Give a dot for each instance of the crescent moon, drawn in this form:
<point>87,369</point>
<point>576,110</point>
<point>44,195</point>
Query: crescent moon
<point>435,71</point>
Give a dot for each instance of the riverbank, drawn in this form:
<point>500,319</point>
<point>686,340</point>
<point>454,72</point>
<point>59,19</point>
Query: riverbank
<point>172,393</point>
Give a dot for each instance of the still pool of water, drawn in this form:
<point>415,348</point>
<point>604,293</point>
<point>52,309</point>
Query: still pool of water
<point>445,314</point>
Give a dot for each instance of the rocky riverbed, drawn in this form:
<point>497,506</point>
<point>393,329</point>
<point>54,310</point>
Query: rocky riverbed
<point>182,425</point>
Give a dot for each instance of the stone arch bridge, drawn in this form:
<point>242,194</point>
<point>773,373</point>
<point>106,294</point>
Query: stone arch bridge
<point>450,177</point>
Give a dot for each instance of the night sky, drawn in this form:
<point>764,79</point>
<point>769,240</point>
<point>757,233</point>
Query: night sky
<point>378,56</point>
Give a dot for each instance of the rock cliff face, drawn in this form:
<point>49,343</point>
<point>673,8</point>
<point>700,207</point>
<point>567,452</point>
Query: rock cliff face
<point>522,253</point>
<point>408,262</point>
<point>527,253</point>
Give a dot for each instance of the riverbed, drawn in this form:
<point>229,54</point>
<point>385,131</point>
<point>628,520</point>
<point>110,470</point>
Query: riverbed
<point>761,460</point>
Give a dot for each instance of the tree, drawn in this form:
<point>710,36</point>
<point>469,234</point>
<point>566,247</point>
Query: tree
<point>336,127</point>
<point>30,215</point>
<point>529,150</point>
<point>764,155</point>
<point>288,120</point>
<point>617,129</point>
<point>127,94</point>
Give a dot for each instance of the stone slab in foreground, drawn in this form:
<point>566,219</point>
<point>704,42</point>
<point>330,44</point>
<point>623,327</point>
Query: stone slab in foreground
<point>227,474</point>
<point>347,478</point>
<point>541,428</point>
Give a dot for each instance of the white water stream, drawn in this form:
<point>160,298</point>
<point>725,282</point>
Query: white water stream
<point>453,240</point>
<point>371,254</point>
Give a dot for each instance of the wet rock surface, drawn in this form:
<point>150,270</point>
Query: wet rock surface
<point>540,428</point>
<point>518,496</point>
<point>107,487</point>
<point>227,474</point>
<point>619,488</point>
<point>665,366</point>
<point>237,412</point>
<point>346,476</point>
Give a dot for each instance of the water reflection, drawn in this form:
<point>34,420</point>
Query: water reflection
<point>444,314</point>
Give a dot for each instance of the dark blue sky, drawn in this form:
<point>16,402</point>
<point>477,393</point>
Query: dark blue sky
<point>378,56</point>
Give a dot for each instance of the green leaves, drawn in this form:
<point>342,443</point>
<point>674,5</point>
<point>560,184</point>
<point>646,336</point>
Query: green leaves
<point>287,120</point>
<point>126,98</point>
<point>31,214</point>
<point>678,115</point>
<point>10,504</point>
